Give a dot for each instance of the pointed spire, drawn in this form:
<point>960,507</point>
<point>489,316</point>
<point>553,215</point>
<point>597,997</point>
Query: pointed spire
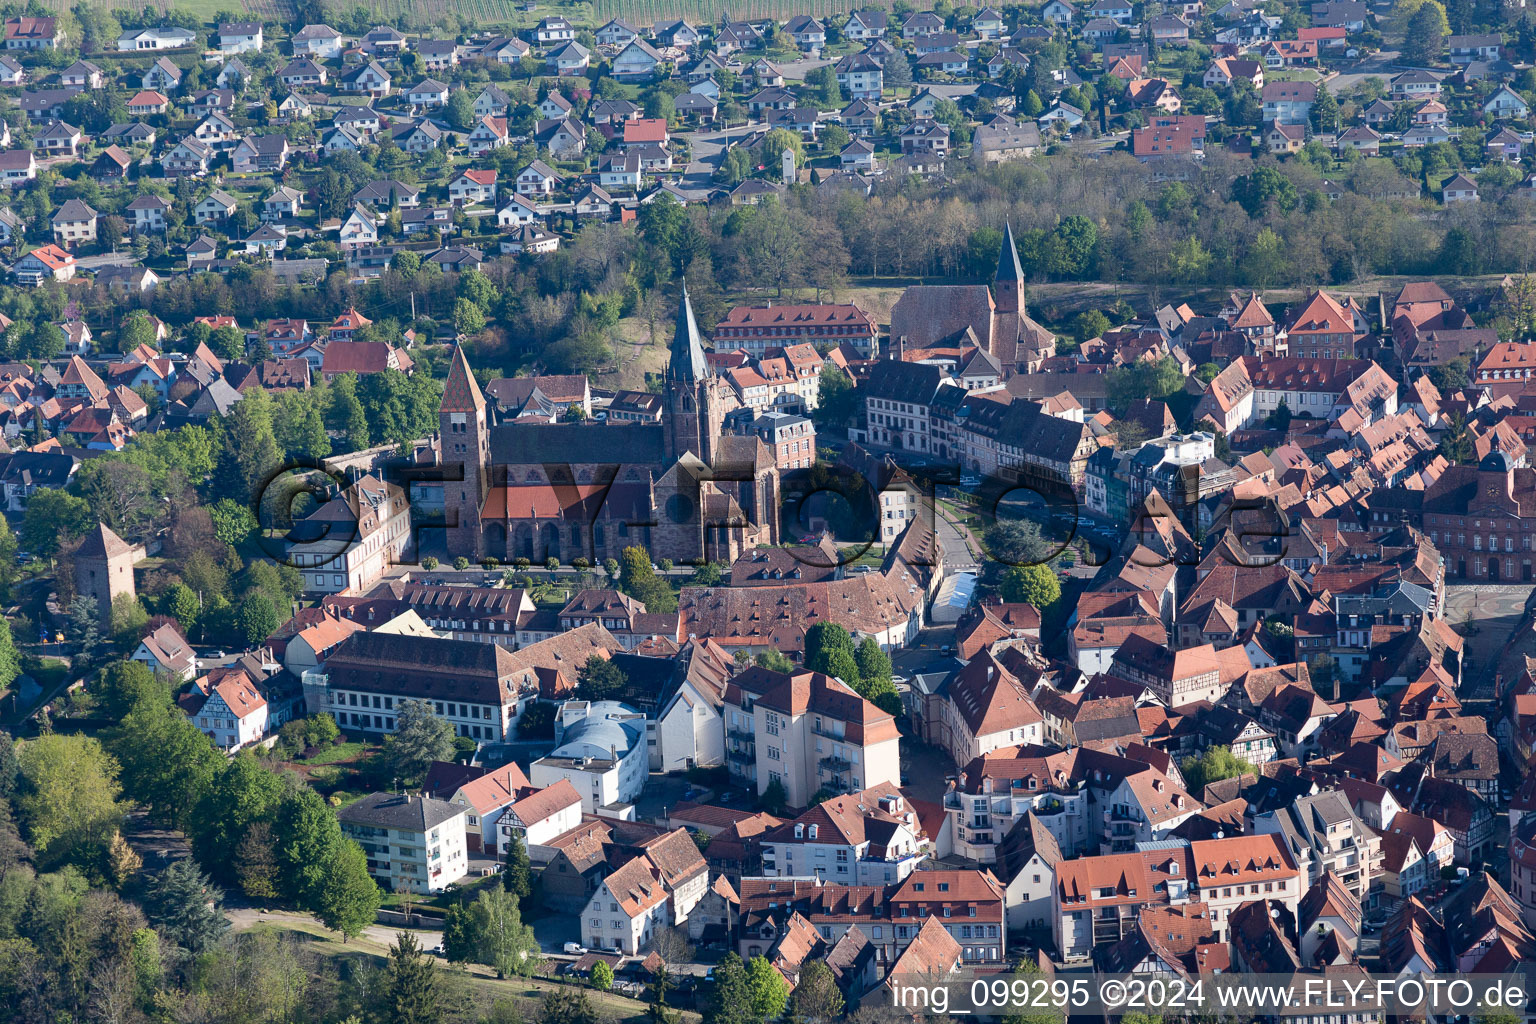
<point>1008,267</point>
<point>461,392</point>
<point>686,363</point>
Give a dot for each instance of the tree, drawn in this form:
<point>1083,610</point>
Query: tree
<point>53,518</point>
<point>730,998</point>
<point>568,1006</point>
<point>1215,764</point>
<point>467,317</point>
<point>1034,584</point>
<point>775,143</point>
<point>599,679</point>
<point>1325,111</point>
<point>816,999</point>
<point>420,738</point>
<point>1456,443</point>
<point>1016,542</point>
<point>774,661</point>
<point>411,991</point>
<point>185,906</point>
<point>897,72</point>
<point>836,402</point>
<point>829,646</point>
<point>256,864</point>
<point>68,798</point>
<point>874,664</point>
<point>166,762</point>
<point>602,976</point>
<point>349,897</point>
<point>1255,192</point>
<point>773,797</point>
<point>461,110</point>
<point>257,618</point>
<point>1424,37</point>
<point>657,1011</point>
<point>1089,325</point>
<point>233,523</point>
<point>767,990</point>
<point>83,627</point>
<point>517,872</point>
<point>502,940</point>
<point>638,579</point>
<point>307,831</point>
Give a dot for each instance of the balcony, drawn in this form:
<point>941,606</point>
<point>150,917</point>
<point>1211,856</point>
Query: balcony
<point>827,734</point>
<point>740,735</point>
<point>835,765</point>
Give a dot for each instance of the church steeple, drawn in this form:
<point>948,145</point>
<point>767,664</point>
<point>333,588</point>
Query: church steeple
<point>461,392</point>
<point>1008,286</point>
<point>686,363</point>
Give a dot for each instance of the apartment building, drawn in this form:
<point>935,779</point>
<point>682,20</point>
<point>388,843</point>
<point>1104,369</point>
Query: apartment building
<point>813,734</point>
<point>413,843</point>
<point>868,838</point>
<point>1098,900</point>
<point>1323,833</point>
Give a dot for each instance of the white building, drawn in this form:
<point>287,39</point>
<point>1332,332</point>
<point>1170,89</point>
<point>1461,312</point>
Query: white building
<point>228,708</point>
<point>350,541</point>
<point>503,803</point>
<point>601,750</point>
<point>656,889</point>
<point>413,843</point>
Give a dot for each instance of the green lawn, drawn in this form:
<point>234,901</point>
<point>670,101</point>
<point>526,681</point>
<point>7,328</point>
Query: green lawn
<point>336,752</point>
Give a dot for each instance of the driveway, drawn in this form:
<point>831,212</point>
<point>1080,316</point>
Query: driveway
<point>106,259</point>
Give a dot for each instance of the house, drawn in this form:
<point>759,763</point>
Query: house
<point>218,207</point>
<point>1414,85</point>
<point>565,137</point>
<point>157,38</point>
<point>492,102</point>
<point>1288,102</point>
<point>359,229</point>
<point>163,76</point>
<point>413,843</point>
<point>73,224</point>
<point>808,33</point>
<point>537,179</point>
<point>82,74</point>
<point>148,212</point>
<point>1360,138</point>
<point>1458,189</point>
<point>260,154</point>
<point>678,34</point>
<point>370,79</point>
<point>1290,53</point>
<point>999,142</point>
<point>617,33</point>
<point>860,75</point>
<point>1507,104</point>
<point>303,73</point>
<point>148,101</point>
<point>417,137</point>
<point>167,652</point>
<point>569,59</point>
<point>1285,138</point>
<point>429,92</point>
<point>1226,70</point>
<point>636,62</point>
<point>858,157</point>
<point>1468,49</point>
<point>654,890</point>
<point>240,37</point>
<point>865,25</point>
<point>29,33</point>
<point>58,138</point>
<point>319,41</point>
<point>554,29</point>
<point>473,187</point>
<point>11,73</point>
<point>227,705</point>
<point>16,166</point>
<point>503,806</point>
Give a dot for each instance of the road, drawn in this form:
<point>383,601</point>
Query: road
<point>1381,64</point>
<point>706,150</point>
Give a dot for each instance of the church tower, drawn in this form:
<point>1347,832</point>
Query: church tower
<point>464,440</point>
<point>1008,287</point>
<point>693,411</point>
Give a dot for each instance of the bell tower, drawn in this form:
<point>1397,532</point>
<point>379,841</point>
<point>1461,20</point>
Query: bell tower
<point>464,441</point>
<point>1008,287</point>
<point>693,411</point>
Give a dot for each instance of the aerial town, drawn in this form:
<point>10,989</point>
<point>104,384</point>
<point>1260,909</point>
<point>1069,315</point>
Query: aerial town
<point>598,513</point>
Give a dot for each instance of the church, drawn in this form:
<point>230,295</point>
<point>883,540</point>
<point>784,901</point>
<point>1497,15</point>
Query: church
<point>964,316</point>
<point>680,488</point>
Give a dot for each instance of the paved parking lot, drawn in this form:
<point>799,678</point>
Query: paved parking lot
<point>1486,616</point>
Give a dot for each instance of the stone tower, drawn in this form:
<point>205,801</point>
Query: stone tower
<point>464,441</point>
<point>104,570</point>
<point>1008,287</point>
<point>693,410</point>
